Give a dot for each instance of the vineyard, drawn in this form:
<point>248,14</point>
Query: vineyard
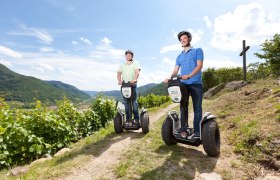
<point>152,100</point>
<point>26,135</point>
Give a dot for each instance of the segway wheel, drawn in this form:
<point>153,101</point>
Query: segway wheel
<point>167,132</point>
<point>211,138</point>
<point>118,124</point>
<point>145,123</point>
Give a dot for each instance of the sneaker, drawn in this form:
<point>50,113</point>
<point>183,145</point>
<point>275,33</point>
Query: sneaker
<point>137,123</point>
<point>194,136</point>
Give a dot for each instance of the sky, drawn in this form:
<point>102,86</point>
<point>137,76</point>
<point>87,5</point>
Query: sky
<point>82,42</point>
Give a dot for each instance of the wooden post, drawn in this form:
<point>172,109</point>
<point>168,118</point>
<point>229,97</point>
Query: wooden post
<point>243,53</point>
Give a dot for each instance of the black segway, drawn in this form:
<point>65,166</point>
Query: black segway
<point>120,121</point>
<point>209,129</point>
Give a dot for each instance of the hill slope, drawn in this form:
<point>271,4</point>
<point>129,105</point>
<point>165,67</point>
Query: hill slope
<point>16,87</point>
<point>249,120</point>
<point>73,91</point>
<point>117,93</point>
<point>159,89</point>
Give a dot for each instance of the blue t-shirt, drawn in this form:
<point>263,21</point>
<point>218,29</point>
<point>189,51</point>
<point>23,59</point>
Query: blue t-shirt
<point>187,61</point>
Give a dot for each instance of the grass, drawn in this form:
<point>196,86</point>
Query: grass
<point>155,109</point>
<point>251,122</point>
<point>150,158</point>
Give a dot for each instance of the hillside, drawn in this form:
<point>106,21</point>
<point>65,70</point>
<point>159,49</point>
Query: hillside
<point>117,93</point>
<point>16,87</point>
<point>159,89</point>
<point>249,120</point>
<point>73,91</point>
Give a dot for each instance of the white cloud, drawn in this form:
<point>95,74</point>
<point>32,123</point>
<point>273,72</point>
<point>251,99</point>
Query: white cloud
<point>46,49</point>
<point>153,77</point>
<point>83,72</point>
<point>196,37</point>
<point>172,47</point>
<point>105,51</point>
<point>250,22</point>
<point>74,42</point>
<point>6,63</point>
<point>85,40</point>
<point>106,41</point>
<point>220,63</point>
<point>39,33</point>
<point>97,72</point>
<point>9,52</point>
<point>207,21</point>
<point>168,61</point>
<point>43,67</point>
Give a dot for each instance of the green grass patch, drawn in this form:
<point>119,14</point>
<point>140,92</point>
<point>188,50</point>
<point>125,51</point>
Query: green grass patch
<point>155,109</point>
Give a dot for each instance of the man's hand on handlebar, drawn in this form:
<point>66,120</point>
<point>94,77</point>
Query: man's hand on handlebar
<point>133,81</point>
<point>187,76</point>
<point>119,82</point>
<point>166,81</point>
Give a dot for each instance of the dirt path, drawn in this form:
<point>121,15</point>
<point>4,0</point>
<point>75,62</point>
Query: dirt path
<point>101,167</point>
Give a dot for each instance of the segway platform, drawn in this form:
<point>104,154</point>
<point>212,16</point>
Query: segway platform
<point>187,140</point>
<point>130,125</point>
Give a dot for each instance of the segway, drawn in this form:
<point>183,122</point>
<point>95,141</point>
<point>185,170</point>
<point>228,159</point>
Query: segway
<point>120,121</point>
<point>209,129</point>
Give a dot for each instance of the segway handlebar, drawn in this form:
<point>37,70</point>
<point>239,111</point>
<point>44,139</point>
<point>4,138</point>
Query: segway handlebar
<point>175,78</point>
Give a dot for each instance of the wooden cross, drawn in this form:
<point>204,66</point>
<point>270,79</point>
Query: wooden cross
<point>243,53</point>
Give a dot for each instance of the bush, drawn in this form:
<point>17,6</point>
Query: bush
<point>18,144</point>
<point>258,71</point>
<point>152,100</point>
<point>105,109</point>
<point>212,77</point>
<point>26,135</point>
<point>271,53</point>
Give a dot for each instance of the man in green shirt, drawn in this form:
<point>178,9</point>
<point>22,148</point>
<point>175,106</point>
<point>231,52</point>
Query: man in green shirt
<point>129,72</point>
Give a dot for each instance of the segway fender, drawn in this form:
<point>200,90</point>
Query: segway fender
<point>143,111</point>
<point>207,117</point>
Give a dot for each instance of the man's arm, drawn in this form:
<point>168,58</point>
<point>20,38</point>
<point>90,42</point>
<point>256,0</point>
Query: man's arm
<point>119,76</point>
<point>137,73</point>
<point>174,73</point>
<point>196,70</point>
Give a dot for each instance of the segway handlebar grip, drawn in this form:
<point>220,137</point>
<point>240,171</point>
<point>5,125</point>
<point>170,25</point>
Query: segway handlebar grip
<point>175,78</point>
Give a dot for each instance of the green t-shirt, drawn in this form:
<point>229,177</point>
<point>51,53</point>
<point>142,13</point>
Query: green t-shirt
<point>128,70</point>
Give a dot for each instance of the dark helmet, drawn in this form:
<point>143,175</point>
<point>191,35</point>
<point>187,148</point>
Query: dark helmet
<point>185,33</point>
<point>129,52</point>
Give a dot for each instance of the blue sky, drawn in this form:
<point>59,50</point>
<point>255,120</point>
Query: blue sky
<point>83,42</point>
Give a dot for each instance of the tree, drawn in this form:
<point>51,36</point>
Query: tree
<point>258,70</point>
<point>209,77</point>
<point>271,53</point>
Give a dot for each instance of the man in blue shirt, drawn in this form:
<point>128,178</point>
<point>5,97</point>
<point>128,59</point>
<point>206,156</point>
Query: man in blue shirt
<point>190,61</point>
